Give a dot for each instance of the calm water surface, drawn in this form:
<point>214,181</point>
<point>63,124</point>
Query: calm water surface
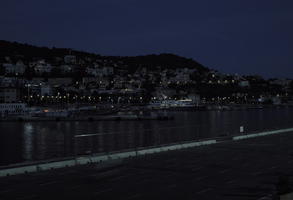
<point>29,141</point>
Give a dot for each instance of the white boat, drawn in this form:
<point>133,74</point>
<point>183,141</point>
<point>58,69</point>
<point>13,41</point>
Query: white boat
<point>183,103</point>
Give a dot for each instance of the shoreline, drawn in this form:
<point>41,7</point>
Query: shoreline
<point>136,117</point>
<point>65,162</point>
<point>88,119</point>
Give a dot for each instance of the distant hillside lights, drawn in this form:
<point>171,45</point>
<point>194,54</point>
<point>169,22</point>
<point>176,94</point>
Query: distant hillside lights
<point>100,71</point>
<point>244,83</point>
<point>87,77</point>
<point>41,67</point>
<point>18,68</point>
<point>69,98</point>
<point>70,59</point>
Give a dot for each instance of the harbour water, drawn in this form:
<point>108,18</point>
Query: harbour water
<point>34,141</point>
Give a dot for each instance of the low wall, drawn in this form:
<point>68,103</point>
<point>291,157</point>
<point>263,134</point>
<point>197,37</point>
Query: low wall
<point>37,167</point>
<point>241,137</point>
<point>97,158</point>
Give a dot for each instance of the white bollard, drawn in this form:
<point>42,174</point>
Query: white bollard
<point>241,129</point>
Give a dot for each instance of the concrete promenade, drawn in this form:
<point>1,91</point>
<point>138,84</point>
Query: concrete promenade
<point>254,168</point>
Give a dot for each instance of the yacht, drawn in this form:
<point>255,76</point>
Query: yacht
<point>183,103</point>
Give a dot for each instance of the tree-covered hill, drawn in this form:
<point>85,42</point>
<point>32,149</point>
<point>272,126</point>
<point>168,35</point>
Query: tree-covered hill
<point>28,53</point>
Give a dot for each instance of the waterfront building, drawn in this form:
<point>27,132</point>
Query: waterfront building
<point>46,90</point>
<point>284,83</point>
<point>9,95</point>
<point>244,83</point>
<point>8,81</point>
<point>59,81</point>
<point>67,68</point>
<point>70,59</point>
<point>86,80</point>
<point>12,109</point>
<point>99,71</point>
<point>18,68</point>
<point>41,68</point>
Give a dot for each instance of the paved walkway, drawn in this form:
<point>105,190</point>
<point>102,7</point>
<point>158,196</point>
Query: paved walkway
<point>232,170</point>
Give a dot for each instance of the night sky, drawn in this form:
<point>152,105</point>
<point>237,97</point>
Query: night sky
<point>232,36</point>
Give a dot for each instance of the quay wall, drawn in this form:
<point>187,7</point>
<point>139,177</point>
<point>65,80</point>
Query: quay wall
<point>104,158</point>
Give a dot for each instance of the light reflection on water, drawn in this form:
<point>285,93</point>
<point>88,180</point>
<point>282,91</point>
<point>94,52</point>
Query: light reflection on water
<point>21,142</point>
<point>28,141</point>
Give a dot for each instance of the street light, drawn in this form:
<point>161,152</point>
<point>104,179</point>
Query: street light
<point>28,85</point>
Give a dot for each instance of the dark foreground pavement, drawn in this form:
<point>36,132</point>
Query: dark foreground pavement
<point>242,170</point>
